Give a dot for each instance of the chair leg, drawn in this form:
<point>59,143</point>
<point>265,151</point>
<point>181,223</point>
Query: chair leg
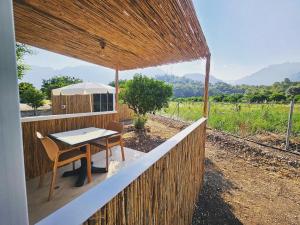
<point>89,163</point>
<point>73,165</point>
<point>107,149</point>
<point>53,180</point>
<point>42,175</point>
<point>122,150</point>
<point>110,152</point>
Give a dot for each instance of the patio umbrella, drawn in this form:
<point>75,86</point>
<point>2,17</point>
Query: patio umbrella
<point>85,88</point>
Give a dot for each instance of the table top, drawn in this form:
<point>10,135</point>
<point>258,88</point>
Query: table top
<point>82,136</point>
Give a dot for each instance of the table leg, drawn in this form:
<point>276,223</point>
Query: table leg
<point>81,172</point>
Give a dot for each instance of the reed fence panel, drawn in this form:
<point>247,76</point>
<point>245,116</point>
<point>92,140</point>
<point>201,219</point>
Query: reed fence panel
<point>33,150</point>
<point>125,113</point>
<point>72,103</point>
<point>166,193</point>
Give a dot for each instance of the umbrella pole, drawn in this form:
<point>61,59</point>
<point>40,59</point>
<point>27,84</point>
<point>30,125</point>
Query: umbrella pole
<point>91,105</point>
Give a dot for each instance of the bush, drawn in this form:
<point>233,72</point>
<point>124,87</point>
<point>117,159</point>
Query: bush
<point>139,122</point>
<point>145,95</point>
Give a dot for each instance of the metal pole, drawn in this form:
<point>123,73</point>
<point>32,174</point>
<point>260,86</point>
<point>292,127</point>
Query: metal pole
<point>13,199</point>
<point>289,129</point>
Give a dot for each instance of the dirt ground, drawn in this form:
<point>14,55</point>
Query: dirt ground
<point>154,134</point>
<point>244,182</point>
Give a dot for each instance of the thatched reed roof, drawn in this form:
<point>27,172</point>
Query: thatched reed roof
<point>123,34</point>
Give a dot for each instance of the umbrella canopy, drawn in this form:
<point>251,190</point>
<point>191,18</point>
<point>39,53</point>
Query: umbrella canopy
<point>84,88</point>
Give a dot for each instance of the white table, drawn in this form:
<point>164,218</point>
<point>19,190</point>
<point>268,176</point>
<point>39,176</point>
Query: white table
<point>80,137</point>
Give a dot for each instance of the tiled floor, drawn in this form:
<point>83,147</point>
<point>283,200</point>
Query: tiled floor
<point>65,191</point>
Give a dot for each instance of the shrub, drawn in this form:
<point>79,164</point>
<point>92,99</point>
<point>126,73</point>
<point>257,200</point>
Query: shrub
<point>145,95</point>
<point>139,122</point>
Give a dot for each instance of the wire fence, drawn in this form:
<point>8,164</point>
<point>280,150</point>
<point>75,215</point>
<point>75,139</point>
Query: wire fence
<point>262,123</point>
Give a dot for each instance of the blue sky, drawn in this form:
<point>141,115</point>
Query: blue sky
<point>243,35</point>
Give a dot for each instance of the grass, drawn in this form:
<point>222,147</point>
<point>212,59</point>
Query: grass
<point>243,119</point>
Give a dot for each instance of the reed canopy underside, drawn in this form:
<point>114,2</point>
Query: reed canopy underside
<point>123,34</point>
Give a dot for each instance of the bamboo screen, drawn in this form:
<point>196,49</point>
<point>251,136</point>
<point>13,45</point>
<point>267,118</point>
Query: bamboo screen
<point>124,112</point>
<point>33,150</point>
<point>72,103</point>
<point>166,193</point>
<point>124,34</point>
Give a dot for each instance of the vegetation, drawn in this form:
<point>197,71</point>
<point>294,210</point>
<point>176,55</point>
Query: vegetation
<point>34,98</point>
<point>223,92</point>
<point>294,91</point>
<point>21,51</point>
<point>57,82</point>
<point>242,118</point>
<point>23,87</point>
<point>121,83</point>
<point>145,95</point>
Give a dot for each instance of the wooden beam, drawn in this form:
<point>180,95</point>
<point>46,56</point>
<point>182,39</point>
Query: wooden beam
<point>116,89</point>
<point>205,99</point>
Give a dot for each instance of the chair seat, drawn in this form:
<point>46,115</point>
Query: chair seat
<point>70,154</point>
<point>111,141</point>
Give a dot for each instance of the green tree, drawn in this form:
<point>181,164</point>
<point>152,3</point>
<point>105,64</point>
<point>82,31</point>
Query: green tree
<point>293,91</point>
<point>57,82</point>
<point>23,87</point>
<point>121,83</point>
<point>21,51</point>
<point>34,98</point>
<point>278,97</point>
<point>146,95</point>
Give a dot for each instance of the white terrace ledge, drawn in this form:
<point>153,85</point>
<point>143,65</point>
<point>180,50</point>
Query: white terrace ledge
<point>81,208</point>
<point>64,116</point>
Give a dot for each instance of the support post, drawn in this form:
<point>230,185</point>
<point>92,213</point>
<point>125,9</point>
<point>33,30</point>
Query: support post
<point>13,200</point>
<point>91,103</point>
<point>206,83</point>
<point>289,129</point>
<point>117,89</point>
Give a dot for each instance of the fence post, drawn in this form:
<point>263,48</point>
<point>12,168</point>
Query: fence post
<point>289,128</point>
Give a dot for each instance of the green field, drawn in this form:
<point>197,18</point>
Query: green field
<point>242,119</point>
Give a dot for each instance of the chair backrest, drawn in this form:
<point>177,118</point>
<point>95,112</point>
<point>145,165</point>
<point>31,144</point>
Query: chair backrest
<point>49,145</point>
<point>115,127</point>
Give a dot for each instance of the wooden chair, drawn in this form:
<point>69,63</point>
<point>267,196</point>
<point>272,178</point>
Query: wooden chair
<point>115,140</point>
<point>61,158</point>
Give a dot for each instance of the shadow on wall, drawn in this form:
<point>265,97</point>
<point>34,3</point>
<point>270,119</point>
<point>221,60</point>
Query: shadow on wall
<point>211,209</point>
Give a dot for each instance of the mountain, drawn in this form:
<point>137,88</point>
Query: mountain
<point>200,77</point>
<point>88,73</point>
<point>295,77</point>
<point>271,74</point>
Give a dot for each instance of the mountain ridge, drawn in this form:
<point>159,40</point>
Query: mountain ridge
<point>271,74</point>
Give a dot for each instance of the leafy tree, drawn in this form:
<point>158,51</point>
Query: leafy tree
<point>257,98</point>
<point>278,97</point>
<point>23,87</point>
<point>34,98</point>
<point>146,95</point>
<point>294,90</point>
<point>57,82</point>
<point>233,98</point>
<point>21,51</point>
<point>218,98</point>
<point>121,83</point>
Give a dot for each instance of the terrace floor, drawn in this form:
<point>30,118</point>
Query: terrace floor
<point>65,191</point>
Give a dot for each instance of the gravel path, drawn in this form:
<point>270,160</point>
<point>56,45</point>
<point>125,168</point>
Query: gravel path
<point>244,183</point>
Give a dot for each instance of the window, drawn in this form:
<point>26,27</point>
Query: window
<point>103,102</point>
